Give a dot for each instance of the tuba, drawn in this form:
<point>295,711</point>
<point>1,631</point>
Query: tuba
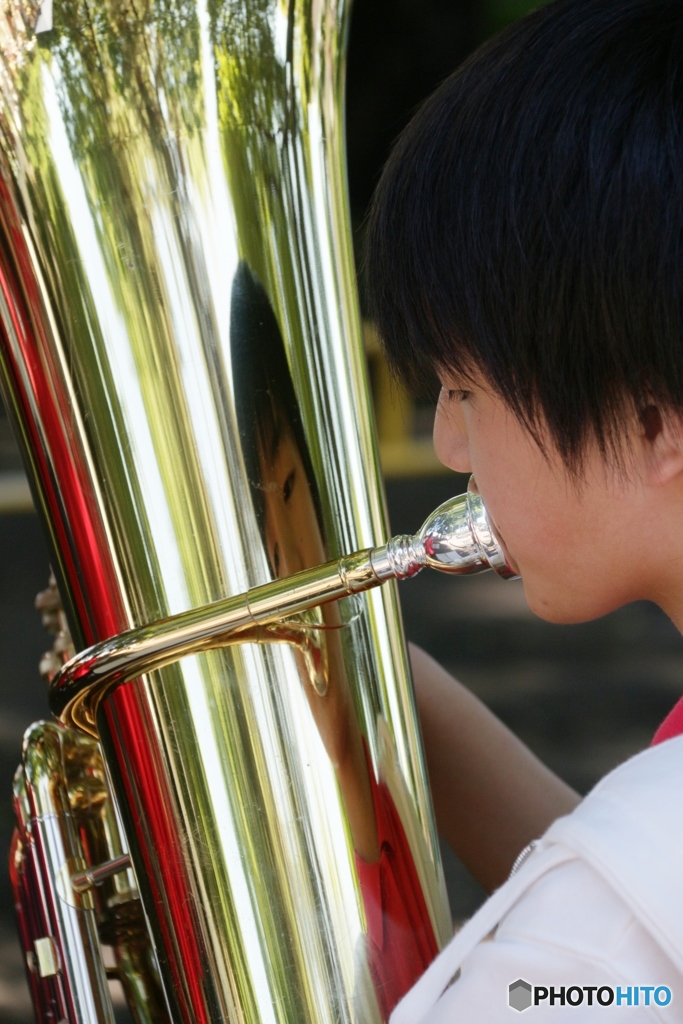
<point>229,818</point>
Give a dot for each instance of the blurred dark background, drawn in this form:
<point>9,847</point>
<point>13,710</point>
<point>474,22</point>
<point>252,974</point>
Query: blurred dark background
<point>583,697</point>
<point>399,52</point>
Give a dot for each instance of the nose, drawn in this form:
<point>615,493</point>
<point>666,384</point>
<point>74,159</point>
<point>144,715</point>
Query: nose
<point>451,442</point>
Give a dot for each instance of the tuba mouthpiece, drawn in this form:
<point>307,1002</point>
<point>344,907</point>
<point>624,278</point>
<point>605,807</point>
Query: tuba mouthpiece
<point>456,538</point>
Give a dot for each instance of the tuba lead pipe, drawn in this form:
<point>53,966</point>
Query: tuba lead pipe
<point>456,538</point>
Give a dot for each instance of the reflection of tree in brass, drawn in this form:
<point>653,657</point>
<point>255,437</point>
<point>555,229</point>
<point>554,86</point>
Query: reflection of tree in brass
<point>129,89</point>
<point>117,60</point>
<point>253,79</point>
<point>401,940</point>
<point>254,114</point>
<point>263,108</point>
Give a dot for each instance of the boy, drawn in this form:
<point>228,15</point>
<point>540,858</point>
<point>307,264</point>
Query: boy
<point>525,249</point>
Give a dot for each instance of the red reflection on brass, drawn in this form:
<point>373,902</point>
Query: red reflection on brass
<point>149,806</point>
<point>401,941</point>
<point>44,410</point>
<point>33,922</point>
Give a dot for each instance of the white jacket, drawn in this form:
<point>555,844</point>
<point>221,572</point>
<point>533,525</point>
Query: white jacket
<point>599,902</point>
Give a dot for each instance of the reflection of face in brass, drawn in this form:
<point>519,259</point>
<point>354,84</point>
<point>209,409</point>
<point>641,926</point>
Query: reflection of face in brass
<point>292,532</point>
<point>275,450</point>
<point>287,508</point>
<point>294,542</point>
<point>280,472</point>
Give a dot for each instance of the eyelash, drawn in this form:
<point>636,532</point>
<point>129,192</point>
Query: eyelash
<point>462,396</point>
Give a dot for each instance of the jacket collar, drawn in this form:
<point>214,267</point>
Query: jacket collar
<point>630,830</point>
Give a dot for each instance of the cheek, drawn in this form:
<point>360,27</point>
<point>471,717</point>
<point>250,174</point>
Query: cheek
<point>525,495</point>
<point>571,571</point>
<point>542,525</point>
<point>534,515</point>
<point>573,548</point>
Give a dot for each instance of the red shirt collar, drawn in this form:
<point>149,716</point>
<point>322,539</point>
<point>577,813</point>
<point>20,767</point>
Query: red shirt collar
<point>671,726</point>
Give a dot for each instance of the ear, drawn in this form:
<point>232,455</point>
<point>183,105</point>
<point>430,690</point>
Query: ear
<point>661,439</point>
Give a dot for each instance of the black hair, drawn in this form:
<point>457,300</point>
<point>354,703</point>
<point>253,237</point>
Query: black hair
<point>529,222</point>
<point>265,402</point>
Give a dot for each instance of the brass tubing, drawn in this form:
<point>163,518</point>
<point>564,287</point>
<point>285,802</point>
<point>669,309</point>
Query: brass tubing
<point>450,540</point>
<point>77,691</point>
<point>100,873</point>
<point>70,918</point>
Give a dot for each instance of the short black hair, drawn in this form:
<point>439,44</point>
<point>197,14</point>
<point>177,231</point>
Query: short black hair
<point>529,222</point>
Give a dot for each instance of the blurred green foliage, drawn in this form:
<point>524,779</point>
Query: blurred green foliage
<point>499,13</point>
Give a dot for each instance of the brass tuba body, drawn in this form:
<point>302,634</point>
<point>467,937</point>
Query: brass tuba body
<point>182,359</point>
<point>181,355</point>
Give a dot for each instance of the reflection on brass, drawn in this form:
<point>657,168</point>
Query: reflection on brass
<point>182,358</point>
<point>88,878</point>
<point>66,826</point>
<point>64,886</point>
<point>49,603</point>
<point>47,957</point>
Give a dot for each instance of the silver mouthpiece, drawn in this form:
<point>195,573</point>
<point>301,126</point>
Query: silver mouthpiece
<point>457,537</point>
